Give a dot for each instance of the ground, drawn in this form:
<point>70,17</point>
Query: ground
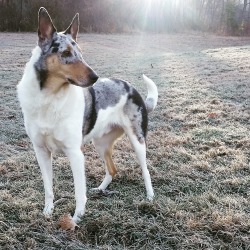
<point>197,149</point>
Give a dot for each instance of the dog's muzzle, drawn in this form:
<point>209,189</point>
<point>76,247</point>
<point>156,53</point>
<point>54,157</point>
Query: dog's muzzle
<point>93,77</point>
<point>88,81</point>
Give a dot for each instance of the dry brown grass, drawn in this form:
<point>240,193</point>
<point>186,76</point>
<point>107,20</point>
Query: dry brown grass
<point>198,150</point>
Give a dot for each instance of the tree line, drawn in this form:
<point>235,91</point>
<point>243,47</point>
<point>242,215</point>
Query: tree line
<point>231,17</point>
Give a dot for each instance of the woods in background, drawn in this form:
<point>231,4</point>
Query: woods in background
<point>231,17</point>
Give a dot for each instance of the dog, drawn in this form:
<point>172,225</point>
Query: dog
<point>64,104</point>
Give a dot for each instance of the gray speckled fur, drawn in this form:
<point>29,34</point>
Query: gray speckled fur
<point>107,93</point>
<point>114,107</point>
<point>136,118</point>
<point>60,41</point>
<point>89,113</point>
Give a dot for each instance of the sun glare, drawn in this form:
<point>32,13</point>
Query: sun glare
<point>160,15</point>
<point>157,9</point>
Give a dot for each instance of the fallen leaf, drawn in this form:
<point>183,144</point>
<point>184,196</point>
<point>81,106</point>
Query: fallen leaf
<point>66,222</point>
<point>212,115</point>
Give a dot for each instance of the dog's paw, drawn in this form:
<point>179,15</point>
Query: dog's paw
<point>107,192</point>
<point>150,197</point>
<point>96,192</point>
<point>78,216</point>
<point>48,210</point>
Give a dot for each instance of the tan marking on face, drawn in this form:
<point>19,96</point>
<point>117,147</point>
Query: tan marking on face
<point>58,72</point>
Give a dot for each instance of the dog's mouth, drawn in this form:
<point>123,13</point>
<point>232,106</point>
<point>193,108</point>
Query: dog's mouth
<point>80,84</point>
<point>72,82</point>
<point>83,83</point>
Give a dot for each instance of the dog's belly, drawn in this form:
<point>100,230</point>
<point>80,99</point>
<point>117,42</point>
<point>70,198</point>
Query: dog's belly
<point>98,132</point>
<point>107,119</point>
<point>104,124</point>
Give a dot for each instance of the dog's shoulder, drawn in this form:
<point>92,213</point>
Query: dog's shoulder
<point>108,92</point>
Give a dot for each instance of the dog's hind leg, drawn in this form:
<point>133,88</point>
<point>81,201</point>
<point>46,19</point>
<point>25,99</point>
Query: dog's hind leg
<point>44,159</point>
<point>140,150</point>
<point>104,147</point>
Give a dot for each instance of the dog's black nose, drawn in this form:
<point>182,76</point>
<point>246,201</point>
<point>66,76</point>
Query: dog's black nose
<point>93,77</point>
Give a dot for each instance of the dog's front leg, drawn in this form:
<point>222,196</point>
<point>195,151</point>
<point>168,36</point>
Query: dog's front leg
<point>76,159</point>
<point>44,159</point>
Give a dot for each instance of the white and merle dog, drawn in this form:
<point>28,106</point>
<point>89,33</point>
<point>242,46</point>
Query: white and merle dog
<point>59,115</point>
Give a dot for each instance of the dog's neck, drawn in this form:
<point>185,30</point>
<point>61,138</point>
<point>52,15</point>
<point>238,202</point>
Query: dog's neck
<point>54,85</point>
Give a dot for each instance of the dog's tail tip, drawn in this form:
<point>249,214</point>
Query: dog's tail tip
<point>152,97</point>
<point>145,77</point>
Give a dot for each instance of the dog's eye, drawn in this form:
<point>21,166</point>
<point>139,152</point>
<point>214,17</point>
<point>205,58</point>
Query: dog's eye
<point>66,53</point>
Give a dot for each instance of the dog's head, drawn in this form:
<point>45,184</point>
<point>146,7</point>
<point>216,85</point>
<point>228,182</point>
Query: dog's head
<point>61,61</point>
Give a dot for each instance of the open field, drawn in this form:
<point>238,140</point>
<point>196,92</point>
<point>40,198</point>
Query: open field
<point>198,150</point>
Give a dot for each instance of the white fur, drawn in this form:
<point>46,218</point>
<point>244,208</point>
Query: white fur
<point>152,96</point>
<point>106,118</point>
<point>54,124</point>
<point>152,90</point>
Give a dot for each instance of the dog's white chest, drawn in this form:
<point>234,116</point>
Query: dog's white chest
<point>47,132</point>
<point>53,121</point>
<point>52,143</point>
<point>56,131</point>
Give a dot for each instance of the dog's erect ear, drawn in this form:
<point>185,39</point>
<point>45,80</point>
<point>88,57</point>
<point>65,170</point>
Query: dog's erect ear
<point>73,27</point>
<point>46,28</point>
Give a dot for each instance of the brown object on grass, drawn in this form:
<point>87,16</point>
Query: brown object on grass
<point>66,222</point>
<point>212,115</point>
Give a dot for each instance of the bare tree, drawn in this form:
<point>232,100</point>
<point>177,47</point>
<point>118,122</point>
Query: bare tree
<point>228,16</point>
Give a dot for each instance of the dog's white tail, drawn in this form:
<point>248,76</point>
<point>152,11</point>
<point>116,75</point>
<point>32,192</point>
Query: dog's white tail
<point>152,96</point>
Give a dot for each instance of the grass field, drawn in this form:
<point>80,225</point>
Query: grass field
<point>198,150</point>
